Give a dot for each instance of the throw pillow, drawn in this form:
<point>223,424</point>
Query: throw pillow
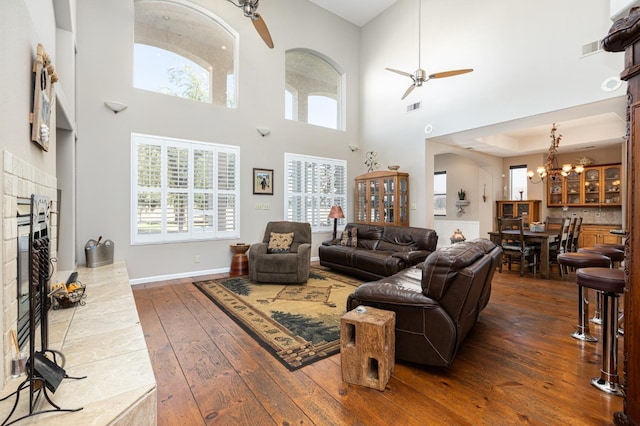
<point>349,238</point>
<point>280,243</point>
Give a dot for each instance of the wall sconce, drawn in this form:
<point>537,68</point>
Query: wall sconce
<point>335,214</point>
<point>263,131</point>
<point>116,107</point>
<point>353,147</point>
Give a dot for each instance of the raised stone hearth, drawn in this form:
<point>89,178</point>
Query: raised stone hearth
<point>102,340</point>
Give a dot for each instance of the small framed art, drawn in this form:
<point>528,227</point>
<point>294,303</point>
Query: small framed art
<point>263,181</point>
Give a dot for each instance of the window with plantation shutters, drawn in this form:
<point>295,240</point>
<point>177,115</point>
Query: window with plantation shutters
<point>313,185</point>
<point>183,190</point>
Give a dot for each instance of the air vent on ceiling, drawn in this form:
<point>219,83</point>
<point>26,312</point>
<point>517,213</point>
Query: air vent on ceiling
<point>591,48</point>
<point>413,107</point>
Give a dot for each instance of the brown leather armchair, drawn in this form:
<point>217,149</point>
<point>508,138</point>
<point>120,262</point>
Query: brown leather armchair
<point>437,302</point>
<point>289,267</point>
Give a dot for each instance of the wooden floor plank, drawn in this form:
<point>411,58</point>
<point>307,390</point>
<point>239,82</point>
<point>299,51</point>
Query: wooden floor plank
<point>518,365</point>
<point>176,402</point>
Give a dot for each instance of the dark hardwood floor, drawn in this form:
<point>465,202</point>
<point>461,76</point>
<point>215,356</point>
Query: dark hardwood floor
<point>517,366</point>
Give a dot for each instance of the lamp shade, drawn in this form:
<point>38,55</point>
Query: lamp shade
<point>336,212</point>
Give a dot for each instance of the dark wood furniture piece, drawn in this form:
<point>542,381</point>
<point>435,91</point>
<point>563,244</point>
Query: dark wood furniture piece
<point>514,247</point>
<point>545,238</point>
<point>239,261</point>
<point>382,198</point>
<point>624,35</point>
<point>528,210</point>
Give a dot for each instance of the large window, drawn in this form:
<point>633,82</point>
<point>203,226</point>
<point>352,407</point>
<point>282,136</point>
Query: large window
<point>183,190</point>
<point>183,50</point>
<point>313,92</point>
<point>312,186</point>
<point>440,193</point>
<point>518,180</point>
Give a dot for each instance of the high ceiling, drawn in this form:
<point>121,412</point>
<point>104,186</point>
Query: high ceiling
<point>358,12</point>
<point>586,127</point>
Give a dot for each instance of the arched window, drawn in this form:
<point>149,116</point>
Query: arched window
<point>313,92</point>
<point>184,50</point>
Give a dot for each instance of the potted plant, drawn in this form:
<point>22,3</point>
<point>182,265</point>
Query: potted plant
<point>461,194</point>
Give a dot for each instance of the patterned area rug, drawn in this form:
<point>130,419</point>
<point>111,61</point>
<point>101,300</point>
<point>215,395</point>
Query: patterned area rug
<point>298,324</point>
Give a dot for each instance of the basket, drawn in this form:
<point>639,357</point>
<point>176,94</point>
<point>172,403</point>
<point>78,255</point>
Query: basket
<point>537,227</point>
<point>70,299</point>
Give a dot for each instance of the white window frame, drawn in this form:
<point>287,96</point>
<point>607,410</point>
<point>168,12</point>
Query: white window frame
<point>318,202</point>
<point>193,233</point>
<point>440,194</point>
<point>518,181</point>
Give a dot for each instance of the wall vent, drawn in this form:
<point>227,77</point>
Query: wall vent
<point>413,107</point>
<point>591,48</point>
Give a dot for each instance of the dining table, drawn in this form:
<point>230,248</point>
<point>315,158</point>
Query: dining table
<point>544,238</point>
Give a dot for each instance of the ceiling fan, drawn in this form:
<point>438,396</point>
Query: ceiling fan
<point>420,76</point>
<point>249,8</point>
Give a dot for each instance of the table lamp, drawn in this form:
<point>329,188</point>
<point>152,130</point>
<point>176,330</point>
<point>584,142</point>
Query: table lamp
<point>335,214</point>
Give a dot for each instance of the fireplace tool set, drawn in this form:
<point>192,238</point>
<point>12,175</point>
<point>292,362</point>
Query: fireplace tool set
<point>44,366</point>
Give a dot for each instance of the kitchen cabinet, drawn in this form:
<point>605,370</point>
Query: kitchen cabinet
<point>595,186</point>
<point>593,234</point>
<point>528,210</point>
<point>382,198</point>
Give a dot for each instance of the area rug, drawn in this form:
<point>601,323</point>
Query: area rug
<point>298,324</point>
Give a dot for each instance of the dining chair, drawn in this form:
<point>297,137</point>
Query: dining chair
<point>576,234</point>
<point>562,245</point>
<point>515,248</point>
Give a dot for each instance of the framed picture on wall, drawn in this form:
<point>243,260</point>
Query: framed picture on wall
<point>263,181</point>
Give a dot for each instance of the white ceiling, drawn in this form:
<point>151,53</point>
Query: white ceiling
<point>358,12</point>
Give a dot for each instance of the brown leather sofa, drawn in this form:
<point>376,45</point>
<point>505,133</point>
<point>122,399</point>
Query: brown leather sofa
<point>381,251</point>
<point>437,302</point>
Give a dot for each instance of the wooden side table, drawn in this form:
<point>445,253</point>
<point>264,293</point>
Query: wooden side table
<point>367,346</point>
<point>239,261</point>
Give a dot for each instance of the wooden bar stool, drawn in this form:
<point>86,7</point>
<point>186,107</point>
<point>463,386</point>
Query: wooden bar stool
<point>611,283</point>
<point>577,261</point>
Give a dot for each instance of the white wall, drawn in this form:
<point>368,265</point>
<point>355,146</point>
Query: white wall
<point>105,72</point>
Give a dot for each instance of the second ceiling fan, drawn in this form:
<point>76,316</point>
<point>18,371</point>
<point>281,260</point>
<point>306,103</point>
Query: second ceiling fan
<point>420,76</point>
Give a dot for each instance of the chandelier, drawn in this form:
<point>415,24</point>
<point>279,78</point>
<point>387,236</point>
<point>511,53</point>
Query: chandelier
<point>551,169</point>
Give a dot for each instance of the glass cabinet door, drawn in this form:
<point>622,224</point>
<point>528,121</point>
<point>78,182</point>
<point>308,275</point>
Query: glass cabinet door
<point>361,201</point>
<point>507,210</point>
<point>612,185</point>
<point>388,199</point>
<point>555,188</point>
<point>374,200</point>
<point>404,200</point>
<point>592,186</point>
<point>573,188</point>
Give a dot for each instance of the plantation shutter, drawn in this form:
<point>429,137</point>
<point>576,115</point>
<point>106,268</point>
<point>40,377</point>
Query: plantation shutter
<point>313,185</point>
<point>183,190</point>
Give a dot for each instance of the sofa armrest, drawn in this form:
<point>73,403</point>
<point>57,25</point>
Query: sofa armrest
<point>412,257</point>
<point>332,242</point>
<point>257,249</point>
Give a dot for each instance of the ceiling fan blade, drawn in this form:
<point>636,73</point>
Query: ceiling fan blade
<point>400,72</point>
<point>450,73</point>
<point>262,29</point>
<point>409,90</point>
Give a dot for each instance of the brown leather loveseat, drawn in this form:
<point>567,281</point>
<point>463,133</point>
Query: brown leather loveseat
<point>375,251</point>
<point>437,302</point>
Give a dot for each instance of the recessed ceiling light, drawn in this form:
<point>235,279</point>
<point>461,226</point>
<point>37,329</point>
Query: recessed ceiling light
<point>428,129</point>
<point>611,84</point>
